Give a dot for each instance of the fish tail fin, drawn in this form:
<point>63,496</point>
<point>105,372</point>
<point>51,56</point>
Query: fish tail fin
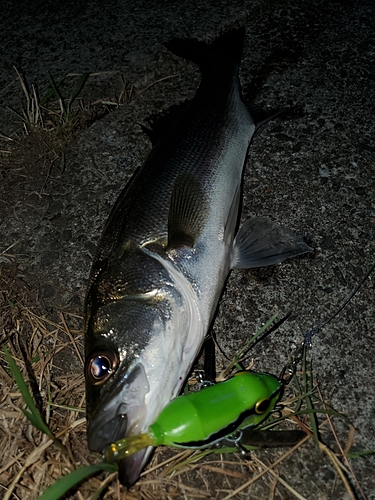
<point>221,55</point>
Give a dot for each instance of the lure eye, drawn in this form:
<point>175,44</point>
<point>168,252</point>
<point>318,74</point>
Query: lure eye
<point>101,365</point>
<point>262,406</point>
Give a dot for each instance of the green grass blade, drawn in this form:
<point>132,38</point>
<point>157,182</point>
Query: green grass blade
<point>51,93</point>
<point>23,118</point>
<point>360,454</point>
<point>10,303</point>
<point>255,337</point>
<point>66,483</point>
<point>36,421</point>
<point>194,457</point>
<point>309,403</point>
<point>315,411</point>
<point>329,410</point>
<point>300,392</point>
<point>58,95</point>
<point>236,359</point>
<point>78,88</point>
<point>33,414</point>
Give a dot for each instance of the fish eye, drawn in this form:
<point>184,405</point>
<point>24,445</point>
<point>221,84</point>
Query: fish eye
<point>262,406</point>
<point>101,365</point>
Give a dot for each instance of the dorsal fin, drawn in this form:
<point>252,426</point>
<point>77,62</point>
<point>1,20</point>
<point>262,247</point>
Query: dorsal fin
<point>160,124</point>
<point>223,53</point>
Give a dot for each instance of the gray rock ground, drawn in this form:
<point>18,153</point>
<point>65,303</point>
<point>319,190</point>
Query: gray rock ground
<point>313,171</point>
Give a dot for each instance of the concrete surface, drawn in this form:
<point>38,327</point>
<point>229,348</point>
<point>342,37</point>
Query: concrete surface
<point>313,171</point>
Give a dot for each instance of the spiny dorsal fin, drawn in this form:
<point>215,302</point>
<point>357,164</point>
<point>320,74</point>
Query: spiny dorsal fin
<point>149,132</point>
<point>225,51</point>
<point>159,125</point>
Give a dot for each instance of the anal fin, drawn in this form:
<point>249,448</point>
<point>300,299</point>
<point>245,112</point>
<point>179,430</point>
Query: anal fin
<point>261,116</point>
<point>261,242</point>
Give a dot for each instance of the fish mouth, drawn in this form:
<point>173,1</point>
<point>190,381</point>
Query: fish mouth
<point>122,414</point>
<point>130,468</point>
<point>101,437</point>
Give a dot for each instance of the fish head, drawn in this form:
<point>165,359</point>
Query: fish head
<point>141,337</point>
<point>117,408</point>
<point>123,370</point>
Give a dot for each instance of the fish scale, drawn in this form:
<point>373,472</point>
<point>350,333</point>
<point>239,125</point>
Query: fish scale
<point>166,252</point>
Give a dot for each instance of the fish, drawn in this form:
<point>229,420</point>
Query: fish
<point>166,251</point>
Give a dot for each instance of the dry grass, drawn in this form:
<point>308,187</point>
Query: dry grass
<point>30,461</point>
<point>48,351</point>
<point>51,122</point>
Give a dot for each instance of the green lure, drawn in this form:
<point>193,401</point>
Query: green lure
<point>204,418</point>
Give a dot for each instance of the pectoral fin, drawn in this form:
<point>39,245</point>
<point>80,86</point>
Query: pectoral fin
<point>230,226</point>
<point>187,213</point>
<point>260,242</point>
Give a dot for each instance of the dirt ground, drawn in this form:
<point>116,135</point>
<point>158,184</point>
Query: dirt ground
<point>312,170</point>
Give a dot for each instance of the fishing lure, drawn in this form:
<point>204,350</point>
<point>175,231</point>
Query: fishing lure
<point>207,417</point>
<point>222,413</point>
